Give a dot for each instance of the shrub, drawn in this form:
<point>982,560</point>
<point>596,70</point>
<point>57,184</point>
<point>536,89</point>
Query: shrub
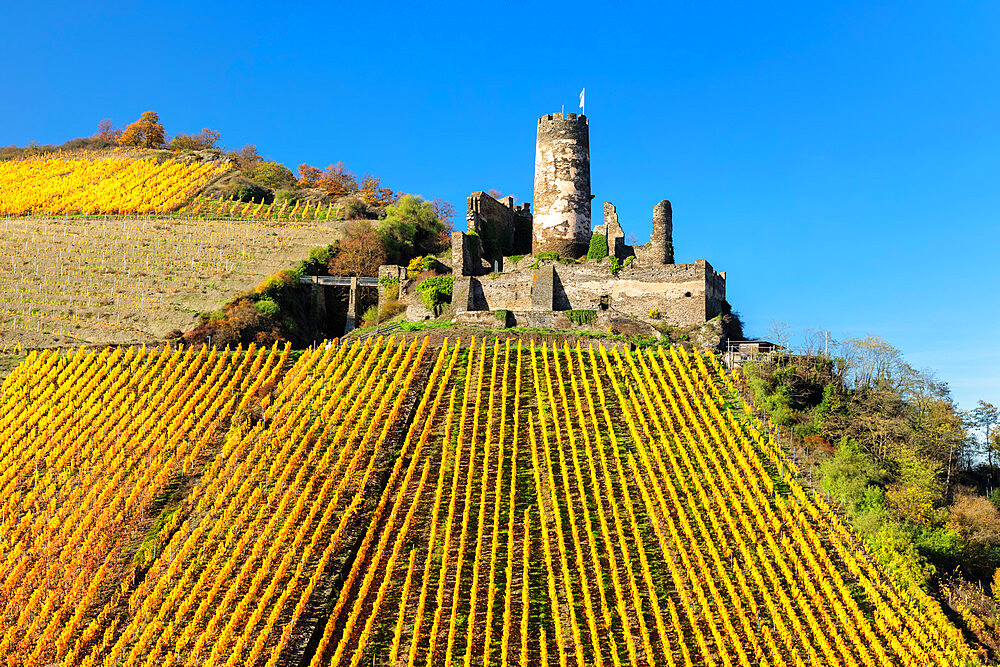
<point>598,247</point>
<point>581,317</point>
<point>370,317</point>
<point>544,256</point>
<point>415,267</point>
<point>251,192</point>
<point>289,197</point>
<point>617,265</point>
<point>317,262</point>
<point>273,175</point>
<point>654,314</point>
<point>354,209</point>
<point>436,291</point>
<point>205,140</point>
<point>245,159</point>
<point>274,285</point>
<point>391,307</point>
<point>267,307</point>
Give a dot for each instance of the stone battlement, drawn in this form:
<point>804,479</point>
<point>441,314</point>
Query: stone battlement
<point>564,118</point>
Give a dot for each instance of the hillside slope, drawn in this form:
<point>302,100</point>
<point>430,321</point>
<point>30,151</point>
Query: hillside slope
<point>391,501</point>
<point>96,280</point>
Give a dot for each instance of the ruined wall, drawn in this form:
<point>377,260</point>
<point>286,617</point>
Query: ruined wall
<point>613,232</point>
<point>660,249</point>
<point>467,255</point>
<point>562,220</point>
<point>683,294</point>
<point>504,229</point>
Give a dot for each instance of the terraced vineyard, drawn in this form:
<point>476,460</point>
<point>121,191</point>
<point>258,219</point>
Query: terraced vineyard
<point>113,183</point>
<point>101,184</point>
<point>391,503</point>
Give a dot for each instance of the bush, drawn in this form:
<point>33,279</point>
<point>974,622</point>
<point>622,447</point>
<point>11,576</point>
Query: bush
<point>370,317</point>
<point>415,267</point>
<point>654,314</point>
<point>391,307</point>
<point>617,265</point>
<point>290,197</point>
<point>273,175</point>
<point>436,291</point>
<point>543,257</point>
<point>420,264</point>
<point>581,317</point>
<point>354,209</point>
<point>274,285</point>
<point>267,307</point>
<point>251,192</point>
<point>598,247</point>
<point>205,140</point>
<point>317,261</point>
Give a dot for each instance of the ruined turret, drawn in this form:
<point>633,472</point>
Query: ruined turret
<point>662,239</point>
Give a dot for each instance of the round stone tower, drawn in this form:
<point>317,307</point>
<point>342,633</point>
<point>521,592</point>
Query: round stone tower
<point>562,186</point>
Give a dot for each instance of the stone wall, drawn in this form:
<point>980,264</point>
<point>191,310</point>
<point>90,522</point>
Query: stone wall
<point>683,294</point>
<point>660,249</point>
<point>562,220</point>
<point>504,229</point>
<point>467,255</point>
<point>613,232</point>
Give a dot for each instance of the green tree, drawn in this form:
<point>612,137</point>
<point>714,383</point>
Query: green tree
<point>273,175</point>
<point>411,227</point>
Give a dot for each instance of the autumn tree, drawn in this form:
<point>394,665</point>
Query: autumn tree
<point>309,175</point>
<point>245,158</point>
<point>337,180</point>
<point>204,140</point>
<point>106,131</point>
<point>373,194</point>
<point>445,212</point>
<point>147,132</point>
<point>360,252</point>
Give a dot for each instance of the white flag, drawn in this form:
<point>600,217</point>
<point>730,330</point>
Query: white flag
<point>581,97</point>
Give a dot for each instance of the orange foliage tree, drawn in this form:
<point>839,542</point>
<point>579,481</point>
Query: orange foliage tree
<point>309,175</point>
<point>147,132</point>
<point>372,194</point>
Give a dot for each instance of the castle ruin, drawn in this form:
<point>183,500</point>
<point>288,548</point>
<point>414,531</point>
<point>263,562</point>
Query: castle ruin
<point>497,280</point>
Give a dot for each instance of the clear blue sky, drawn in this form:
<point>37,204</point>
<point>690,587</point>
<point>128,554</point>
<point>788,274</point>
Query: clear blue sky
<point>838,160</point>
